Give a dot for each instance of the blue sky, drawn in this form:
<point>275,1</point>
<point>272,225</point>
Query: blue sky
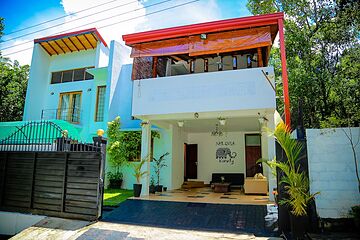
<point>20,14</point>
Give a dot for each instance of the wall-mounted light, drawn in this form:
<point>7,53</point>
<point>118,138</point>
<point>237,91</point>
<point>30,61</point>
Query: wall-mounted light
<point>180,123</point>
<point>52,93</point>
<point>100,132</point>
<point>222,121</point>
<point>203,36</point>
<point>196,115</point>
<point>89,90</point>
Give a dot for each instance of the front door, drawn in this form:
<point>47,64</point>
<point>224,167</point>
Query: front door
<point>252,154</point>
<point>191,161</point>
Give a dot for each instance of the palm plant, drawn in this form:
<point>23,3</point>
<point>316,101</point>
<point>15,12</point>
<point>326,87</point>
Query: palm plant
<point>296,181</point>
<point>158,165</point>
<point>138,173</point>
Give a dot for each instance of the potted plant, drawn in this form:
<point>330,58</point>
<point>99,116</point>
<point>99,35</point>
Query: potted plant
<point>355,213</point>
<point>115,153</point>
<point>152,185</point>
<point>138,174</point>
<point>115,179</point>
<point>296,181</point>
<point>158,165</point>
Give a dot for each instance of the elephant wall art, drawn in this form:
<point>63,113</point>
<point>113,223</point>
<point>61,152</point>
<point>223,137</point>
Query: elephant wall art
<point>224,155</point>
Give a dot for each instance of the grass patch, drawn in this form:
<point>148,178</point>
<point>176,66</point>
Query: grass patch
<point>112,197</point>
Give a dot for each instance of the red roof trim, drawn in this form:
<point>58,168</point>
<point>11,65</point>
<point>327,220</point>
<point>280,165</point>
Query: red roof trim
<point>70,34</point>
<point>215,26</point>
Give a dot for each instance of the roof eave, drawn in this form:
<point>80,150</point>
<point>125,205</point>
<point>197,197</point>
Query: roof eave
<point>215,26</point>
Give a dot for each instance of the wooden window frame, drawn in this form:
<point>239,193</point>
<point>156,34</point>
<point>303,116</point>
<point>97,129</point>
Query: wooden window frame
<point>68,117</point>
<point>97,102</point>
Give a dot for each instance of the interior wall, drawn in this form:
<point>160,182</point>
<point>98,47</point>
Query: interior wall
<point>207,147</point>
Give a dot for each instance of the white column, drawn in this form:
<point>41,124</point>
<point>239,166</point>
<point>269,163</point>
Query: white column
<point>271,154</point>
<point>145,154</point>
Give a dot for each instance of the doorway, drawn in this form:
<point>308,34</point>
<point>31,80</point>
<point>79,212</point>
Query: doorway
<point>191,161</point>
<point>252,154</point>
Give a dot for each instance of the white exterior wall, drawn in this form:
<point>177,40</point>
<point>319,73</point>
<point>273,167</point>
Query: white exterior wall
<point>178,140</point>
<point>204,92</point>
<point>39,73</point>
<point>332,171</point>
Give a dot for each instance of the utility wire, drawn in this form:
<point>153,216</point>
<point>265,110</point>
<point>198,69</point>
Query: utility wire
<point>54,19</point>
<point>162,10</point>
<point>57,25</point>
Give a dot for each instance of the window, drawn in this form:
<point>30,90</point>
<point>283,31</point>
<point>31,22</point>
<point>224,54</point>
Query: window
<point>100,104</point>
<point>72,75</point>
<point>69,107</point>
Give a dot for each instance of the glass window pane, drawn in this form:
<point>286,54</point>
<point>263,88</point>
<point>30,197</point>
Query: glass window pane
<point>253,140</point>
<point>79,74</point>
<point>76,100</point>
<point>99,117</point>
<point>67,76</point>
<point>56,77</point>
<point>88,76</point>
<point>64,107</point>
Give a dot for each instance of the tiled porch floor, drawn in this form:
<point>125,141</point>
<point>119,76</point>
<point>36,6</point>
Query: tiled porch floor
<point>206,195</point>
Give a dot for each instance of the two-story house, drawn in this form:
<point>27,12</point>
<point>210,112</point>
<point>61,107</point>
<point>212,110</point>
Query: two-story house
<point>210,89</point>
<point>206,88</point>
<point>67,81</point>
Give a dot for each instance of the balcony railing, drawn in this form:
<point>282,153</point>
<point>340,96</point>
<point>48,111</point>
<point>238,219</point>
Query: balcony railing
<point>72,115</point>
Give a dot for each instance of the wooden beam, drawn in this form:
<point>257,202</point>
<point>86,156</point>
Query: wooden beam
<point>59,46</point>
<point>154,66</point>
<point>65,44</point>
<point>89,41</point>
<point>46,49</point>
<point>95,38</point>
<point>52,48</point>
<point>73,44</point>
<point>260,57</point>
<point>176,58</point>
<point>80,42</point>
<point>284,73</point>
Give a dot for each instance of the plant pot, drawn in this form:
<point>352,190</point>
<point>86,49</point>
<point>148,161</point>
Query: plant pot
<point>115,183</point>
<point>137,189</point>
<point>152,189</point>
<point>158,188</point>
<point>298,226</point>
<point>165,189</point>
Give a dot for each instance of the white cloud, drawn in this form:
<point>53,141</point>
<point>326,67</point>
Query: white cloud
<point>201,11</point>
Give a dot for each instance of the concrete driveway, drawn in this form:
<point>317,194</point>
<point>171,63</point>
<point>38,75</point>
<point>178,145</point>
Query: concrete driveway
<point>57,228</point>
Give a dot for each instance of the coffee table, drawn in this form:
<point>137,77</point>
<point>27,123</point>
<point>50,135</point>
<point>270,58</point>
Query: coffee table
<point>221,187</point>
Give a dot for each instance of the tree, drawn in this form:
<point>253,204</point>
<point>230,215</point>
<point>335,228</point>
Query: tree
<point>13,82</point>
<point>322,48</point>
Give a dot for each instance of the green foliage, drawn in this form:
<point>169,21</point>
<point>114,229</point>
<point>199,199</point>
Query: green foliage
<point>115,147</point>
<point>13,82</point>
<point>159,163</point>
<point>355,212</point>
<point>296,181</point>
<point>322,48</point>
<point>138,173</point>
<point>115,176</point>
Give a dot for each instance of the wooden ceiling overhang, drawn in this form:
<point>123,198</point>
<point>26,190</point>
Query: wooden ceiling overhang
<point>225,36</point>
<point>71,42</point>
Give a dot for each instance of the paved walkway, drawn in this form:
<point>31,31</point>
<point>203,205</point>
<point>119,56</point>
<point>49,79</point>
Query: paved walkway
<point>57,228</point>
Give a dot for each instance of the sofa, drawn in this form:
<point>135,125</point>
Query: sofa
<point>256,186</point>
<point>235,179</point>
